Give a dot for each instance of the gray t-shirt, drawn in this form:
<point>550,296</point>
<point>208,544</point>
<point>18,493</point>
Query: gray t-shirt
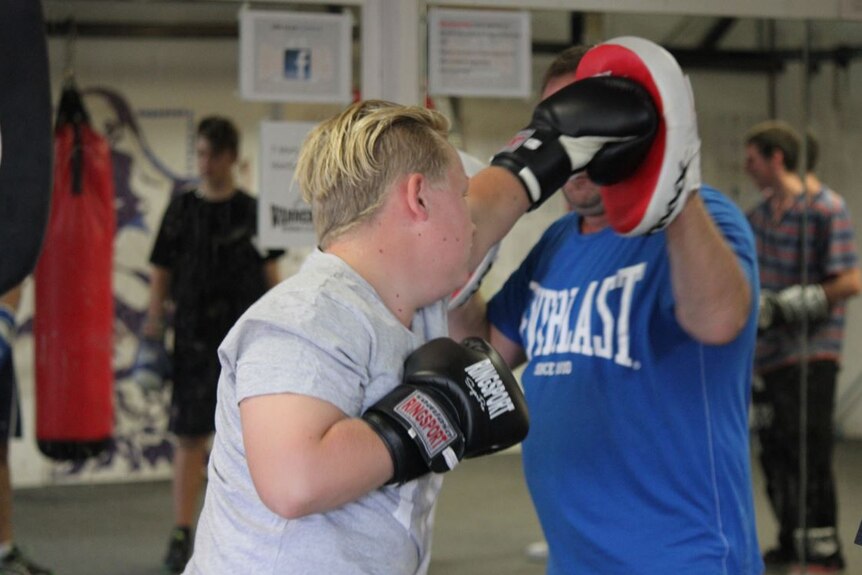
<point>325,333</point>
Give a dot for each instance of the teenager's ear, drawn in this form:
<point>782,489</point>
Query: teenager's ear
<point>415,190</point>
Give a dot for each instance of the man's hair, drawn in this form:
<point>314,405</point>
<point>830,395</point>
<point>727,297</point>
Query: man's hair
<point>347,162</point>
<point>566,62</point>
<point>776,135</point>
<point>220,132</point>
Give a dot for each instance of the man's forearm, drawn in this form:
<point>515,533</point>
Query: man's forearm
<point>711,292</point>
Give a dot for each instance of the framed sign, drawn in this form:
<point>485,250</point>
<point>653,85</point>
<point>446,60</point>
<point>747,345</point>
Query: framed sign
<point>295,57</point>
<point>284,219</point>
<point>479,53</point>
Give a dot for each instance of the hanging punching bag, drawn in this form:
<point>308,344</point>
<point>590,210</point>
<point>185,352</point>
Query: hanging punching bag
<point>25,139</point>
<point>74,311</point>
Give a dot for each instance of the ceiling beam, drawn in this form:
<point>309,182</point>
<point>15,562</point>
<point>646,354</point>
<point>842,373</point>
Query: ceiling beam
<point>715,34</point>
<point>136,30</point>
<point>702,58</point>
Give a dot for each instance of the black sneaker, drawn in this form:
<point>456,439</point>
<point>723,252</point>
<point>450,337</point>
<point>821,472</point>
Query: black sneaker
<point>179,551</point>
<point>16,563</point>
<point>779,557</point>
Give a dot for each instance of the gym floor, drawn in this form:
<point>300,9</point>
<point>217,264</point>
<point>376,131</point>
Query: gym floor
<point>484,521</point>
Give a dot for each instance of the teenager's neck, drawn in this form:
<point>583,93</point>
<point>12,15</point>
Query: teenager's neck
<point>380,264</point>
<point>785,194</point>
<point>789,186</point>
<point>217,191</point>
<point>813,183</point>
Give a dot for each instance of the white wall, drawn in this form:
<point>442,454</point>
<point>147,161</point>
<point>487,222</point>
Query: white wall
<point>198,77</point>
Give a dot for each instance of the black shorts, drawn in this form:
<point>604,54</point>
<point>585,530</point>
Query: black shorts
<point>10,409</point>
<point>196,371</point>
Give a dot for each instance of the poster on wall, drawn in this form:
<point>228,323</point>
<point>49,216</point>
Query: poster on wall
<point>284,219</point>
<point>295,57</point>
<point>479,53</point>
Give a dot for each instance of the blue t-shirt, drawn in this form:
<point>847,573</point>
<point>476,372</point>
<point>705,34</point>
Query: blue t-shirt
<point>637,458</point>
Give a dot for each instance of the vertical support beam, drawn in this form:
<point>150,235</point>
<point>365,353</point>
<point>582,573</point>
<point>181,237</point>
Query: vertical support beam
<point>391,38</point>
<point>771,43</point>
<point>576,28</point>
<point>594,28</point>
<point>804,328</point>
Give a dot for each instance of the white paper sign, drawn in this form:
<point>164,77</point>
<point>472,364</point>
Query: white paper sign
<point>479,53</point>
<point>295,57</point>
<point>284,219</point>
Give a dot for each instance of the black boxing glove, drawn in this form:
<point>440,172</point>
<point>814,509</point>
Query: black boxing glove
<point>456,401</point>
<point>650,197</point>
<point>570,126</point>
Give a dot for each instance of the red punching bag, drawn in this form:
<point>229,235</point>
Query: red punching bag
<point>74,311</point>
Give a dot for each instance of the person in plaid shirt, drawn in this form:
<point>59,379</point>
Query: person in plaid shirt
<point>825,249</point>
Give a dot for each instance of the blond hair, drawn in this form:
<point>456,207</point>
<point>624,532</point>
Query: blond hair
<point>347,162</point>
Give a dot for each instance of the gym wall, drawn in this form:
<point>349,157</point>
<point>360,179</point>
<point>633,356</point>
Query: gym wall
<point>168,84</point>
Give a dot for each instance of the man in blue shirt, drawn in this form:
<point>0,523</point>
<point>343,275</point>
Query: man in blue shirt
<point>638,356</point>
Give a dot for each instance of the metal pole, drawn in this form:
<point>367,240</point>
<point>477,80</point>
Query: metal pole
<point>804,328</point>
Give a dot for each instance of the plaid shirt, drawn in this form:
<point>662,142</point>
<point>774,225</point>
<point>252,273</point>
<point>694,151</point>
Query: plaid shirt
<point>830,250</point>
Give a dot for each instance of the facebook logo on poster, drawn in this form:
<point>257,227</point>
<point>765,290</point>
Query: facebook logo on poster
<point>297,64</point>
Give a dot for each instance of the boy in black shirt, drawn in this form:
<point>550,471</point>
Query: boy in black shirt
<point>206,263</point>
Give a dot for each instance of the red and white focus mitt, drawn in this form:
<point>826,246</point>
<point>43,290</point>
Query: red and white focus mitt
<point>650,198</point>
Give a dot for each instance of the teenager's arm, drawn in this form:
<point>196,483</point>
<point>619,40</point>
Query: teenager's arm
<point>497,199</point>
<point>843,286</point>
<point>160,281</point>
<point>306,456</point>
<point>270,273</point>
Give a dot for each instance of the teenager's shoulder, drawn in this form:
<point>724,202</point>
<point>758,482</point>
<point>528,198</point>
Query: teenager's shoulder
<point>829,202</point>
<point>242,195</point>
<point>181,203</point>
